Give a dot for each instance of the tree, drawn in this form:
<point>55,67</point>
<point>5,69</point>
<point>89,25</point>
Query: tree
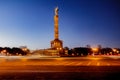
<point>88,46</point>
<point>18,51</point>
<point>99,49</point>
<point>66,48</point>
<point>81,51</point>
<point>106,51</point>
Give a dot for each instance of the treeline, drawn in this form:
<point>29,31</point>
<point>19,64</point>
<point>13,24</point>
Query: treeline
<point>84,51</point>
<point>13,51</point>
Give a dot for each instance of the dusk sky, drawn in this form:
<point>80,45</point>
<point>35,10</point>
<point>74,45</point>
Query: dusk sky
<point>81,22</point>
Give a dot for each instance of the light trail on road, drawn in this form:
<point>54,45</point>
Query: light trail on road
<point>60,61</point>
<point>59,68</point>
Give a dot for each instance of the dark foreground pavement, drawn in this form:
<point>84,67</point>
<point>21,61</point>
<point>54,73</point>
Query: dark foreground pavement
<point>62,73</point>
<point>61,76</point>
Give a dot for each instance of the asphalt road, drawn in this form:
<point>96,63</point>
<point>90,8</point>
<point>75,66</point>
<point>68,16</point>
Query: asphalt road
<point>57,68</point>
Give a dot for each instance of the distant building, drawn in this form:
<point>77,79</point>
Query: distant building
<point>24,48</point>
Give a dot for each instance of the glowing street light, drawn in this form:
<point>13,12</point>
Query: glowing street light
<point>114,50</point>
<point>94,50</point>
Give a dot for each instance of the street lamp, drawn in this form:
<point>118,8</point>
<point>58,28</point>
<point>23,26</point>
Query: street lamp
<point>94,50</point>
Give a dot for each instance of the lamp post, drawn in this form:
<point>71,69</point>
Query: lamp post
<point>95,50</point>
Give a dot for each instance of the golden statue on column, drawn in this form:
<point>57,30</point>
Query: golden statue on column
<point>56,43</point>
<point>56,11</point>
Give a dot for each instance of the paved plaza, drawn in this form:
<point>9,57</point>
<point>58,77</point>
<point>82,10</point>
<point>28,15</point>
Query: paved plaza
<point>60,68</point>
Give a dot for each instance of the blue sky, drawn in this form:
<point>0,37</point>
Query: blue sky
<point>81,22</point>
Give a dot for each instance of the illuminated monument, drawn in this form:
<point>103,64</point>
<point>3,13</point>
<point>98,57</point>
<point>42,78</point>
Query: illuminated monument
<point>56,44</point>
